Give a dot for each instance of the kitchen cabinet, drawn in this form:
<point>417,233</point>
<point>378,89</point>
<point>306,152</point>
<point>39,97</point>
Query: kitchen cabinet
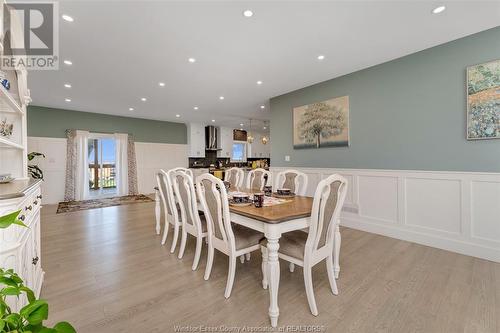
<point>225,140</point>
<point>196,139</point>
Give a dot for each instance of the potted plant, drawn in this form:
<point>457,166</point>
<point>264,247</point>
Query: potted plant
<point>30,318</point>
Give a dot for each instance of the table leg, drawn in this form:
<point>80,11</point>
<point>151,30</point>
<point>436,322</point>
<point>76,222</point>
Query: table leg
<point>273,235</point>
<point>336,251</point>
<point>157,211</point>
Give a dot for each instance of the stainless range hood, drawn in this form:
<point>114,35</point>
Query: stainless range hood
<point>211,142</point>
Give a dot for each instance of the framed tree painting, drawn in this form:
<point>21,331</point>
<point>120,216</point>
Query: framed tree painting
<point>483,101</point>
<point>322,124</point>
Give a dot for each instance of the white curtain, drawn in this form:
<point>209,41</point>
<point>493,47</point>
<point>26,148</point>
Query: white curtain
<point>121,163</point>
<point>82,165</point>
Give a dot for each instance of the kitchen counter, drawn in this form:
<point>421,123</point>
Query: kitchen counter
<point>17,188</point>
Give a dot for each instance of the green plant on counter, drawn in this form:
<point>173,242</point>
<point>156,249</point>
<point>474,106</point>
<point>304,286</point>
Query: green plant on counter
<point>30,318</point>
<point>34,170</point>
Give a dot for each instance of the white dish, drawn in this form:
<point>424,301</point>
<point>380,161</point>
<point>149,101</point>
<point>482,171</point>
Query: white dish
<point>6,180</point>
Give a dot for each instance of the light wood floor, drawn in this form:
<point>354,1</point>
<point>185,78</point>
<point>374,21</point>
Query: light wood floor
<point>107,272</point>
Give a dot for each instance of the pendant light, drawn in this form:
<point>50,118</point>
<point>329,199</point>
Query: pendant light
<point>264,139</point>
<point>250,136</point>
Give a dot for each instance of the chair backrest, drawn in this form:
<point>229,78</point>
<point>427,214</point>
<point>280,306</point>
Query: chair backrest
<point>295,180</point>
<point>167,194</point>
<point>186,196</point>
<point>327,205</point>
<point>186,170</point>
<point>235,176</point>
<point>256,178</point>
<point>213,197</point>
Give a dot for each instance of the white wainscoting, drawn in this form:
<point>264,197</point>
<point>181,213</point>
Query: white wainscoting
<point>455,211</point>
<point>150,158</point>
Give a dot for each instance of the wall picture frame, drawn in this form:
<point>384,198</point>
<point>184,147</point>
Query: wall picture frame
<point>483,101</point>
<point>322,124</point>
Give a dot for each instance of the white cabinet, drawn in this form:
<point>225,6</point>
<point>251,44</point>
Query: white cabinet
<point>196,139</point>
<point>225,140</point>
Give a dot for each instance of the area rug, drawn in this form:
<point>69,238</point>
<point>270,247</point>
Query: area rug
<point>74,206</point>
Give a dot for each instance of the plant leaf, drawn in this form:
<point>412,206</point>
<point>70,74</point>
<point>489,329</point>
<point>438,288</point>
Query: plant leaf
<point>10,291</point>
<point>8,281</point>
<point>2,325</point>
<point>7,220</point>
<point>64,327</point>
<point>35,312</point>
<point>29,294</point>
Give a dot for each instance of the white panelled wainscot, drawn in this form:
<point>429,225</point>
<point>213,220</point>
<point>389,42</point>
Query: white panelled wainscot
<point>455,211</point>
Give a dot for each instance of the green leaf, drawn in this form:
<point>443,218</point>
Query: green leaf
<point>7,220</point>
<point>47,330</point>
<point>64,327</point>
<point>8,281</point>
<point>35,312</point>
<point>10,291</point>
<point>12,320</point>
<point>29,294</point>
<point>2,325</point>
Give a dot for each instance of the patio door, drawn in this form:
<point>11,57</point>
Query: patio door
<point>102,166</point>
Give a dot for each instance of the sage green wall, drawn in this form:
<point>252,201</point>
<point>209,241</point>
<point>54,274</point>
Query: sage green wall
<point>409,113</point>
<point>49,122</point>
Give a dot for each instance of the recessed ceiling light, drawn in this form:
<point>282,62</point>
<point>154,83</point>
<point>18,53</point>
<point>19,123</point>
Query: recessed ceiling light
<point>143,99</point>
<point>259,82</point>
<point>192,60</point>
<point>131,109</point>
<point>67,100</point>
<point>321,57</point>
<point>161,84</point>
<point>213,120</point>
<point>265,127</point>
<point>438,9</point>
<point>67,85</point>
<point>196,108</point>
<point>177,115</point>
<point>248,13</point>
<point>262,106</point>
<point>68,62</point>
<point>221,97</point>
<point>67,18</point>
<point>241,125</point>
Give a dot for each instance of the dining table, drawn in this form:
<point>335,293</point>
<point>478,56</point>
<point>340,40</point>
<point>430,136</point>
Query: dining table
<point>292,213</point>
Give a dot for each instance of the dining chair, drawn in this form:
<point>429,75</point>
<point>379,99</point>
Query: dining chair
<point>232,240</point>
<point>170,207</point>
<point>186,170</point>
<point>308,249</point>
<point>192,222</point>
<point>235,176</point>
<point>256,178</point>
<point>295,180</point>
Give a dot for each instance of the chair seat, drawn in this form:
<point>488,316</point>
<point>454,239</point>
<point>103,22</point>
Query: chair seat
<point>245,237</point>
<point>291,244</point>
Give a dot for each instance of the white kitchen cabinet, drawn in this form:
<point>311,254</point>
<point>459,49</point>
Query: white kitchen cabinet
<point>196,139</point>
<point>225,140</point>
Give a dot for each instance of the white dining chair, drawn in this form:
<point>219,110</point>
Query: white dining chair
<point>232,240</point>
<point>256,178</point>
<point>235,176</point>
<point>172,214</point>
<point>186,170</point>
<point>294,180</point>
<point>308,249</point>
<point>192,222</point>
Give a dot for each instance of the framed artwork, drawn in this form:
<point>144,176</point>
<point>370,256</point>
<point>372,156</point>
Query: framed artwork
<point>483,101</point>
<point>322,124</point>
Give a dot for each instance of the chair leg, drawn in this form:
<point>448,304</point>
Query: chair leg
<point>210,261</point>
<point>264,266</point>
<point>242,258</point>
<point>247,256</point>
<point>336,253</point>
<point>230,276</point>
<point>174,241</point>
<point>292,267</point>
<point>165,231</point>
<point>309,289</point>
<point>183,243</point>
<point>197,252</point>
<point>331,275</point>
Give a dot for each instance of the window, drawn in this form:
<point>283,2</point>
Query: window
<point>239,152</point>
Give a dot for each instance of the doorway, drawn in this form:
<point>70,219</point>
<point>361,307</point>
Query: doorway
<point>102,166</point>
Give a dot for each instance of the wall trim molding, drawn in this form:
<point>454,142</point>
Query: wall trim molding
<point>454,211</point>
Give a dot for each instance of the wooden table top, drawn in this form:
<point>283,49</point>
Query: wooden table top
<point>297,207</point>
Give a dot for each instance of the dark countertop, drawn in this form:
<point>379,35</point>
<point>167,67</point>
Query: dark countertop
<point>17,188</point>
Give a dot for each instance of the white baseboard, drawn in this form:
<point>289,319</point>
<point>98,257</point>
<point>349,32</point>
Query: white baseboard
<point>454,211</point>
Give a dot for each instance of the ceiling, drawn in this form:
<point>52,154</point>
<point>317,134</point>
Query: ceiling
<point>122,50</point>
